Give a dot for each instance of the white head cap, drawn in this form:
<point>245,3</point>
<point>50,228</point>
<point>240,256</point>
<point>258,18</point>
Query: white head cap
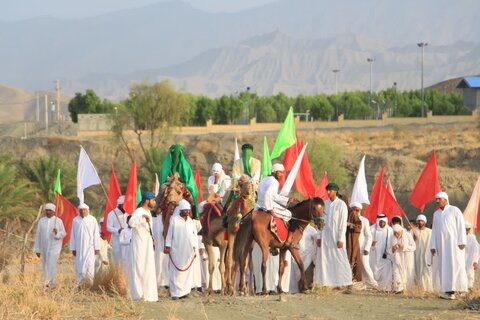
<point>83,206</point>
<point>201,207</point>
<point>120,200</point>
<point>184,205</point>
<point>397,228</point>
<point>217,167</point>
<point>422,217</point>
<point>278,167</point>
<point>356,205</point>
<point>468,225</point>
<point>442,195</point>
<point>50,206</point>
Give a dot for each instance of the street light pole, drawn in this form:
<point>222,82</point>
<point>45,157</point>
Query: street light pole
<point>336,71</point>
<point>394,98</point>
<point>370,61</point>
<point>422,45</point>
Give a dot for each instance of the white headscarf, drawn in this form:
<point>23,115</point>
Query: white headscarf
<point>442,195</point>
<point>422,217</point>
<point>356,205</point>
<point>278,167</point>
<point>397,228</point>
<point>83,206</point>
<point>381,217</point>
<point>120,200</point>
<point>182,205</point>
<point>50,206</point>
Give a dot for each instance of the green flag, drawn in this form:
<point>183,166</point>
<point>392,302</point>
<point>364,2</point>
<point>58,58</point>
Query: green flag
<point>266,161</point>
<point>139,194</point>
<point>58,185</point>
<point>286,137</point>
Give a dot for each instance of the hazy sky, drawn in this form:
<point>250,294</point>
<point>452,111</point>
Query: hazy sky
<point>24,9</point>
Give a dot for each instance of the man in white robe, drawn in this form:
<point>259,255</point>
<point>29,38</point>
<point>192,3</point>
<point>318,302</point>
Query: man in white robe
<point>116,222</point>
<point>85,244</point>
<point>408,253</point>
<point>472,251</point>
<point>161,259</point>
<point>423,256</point>
<point>218,183</point>
<point>48,243</point>
<point>247,165</point>
<point>380,261</point>
<point>180,245</point>
<point>365,240</point>
<point>102,261</point>
<point>332,266</point>
<point>400,245</point>
<point>142,281</point>
<point>448,242</point>
<point>196,267</point>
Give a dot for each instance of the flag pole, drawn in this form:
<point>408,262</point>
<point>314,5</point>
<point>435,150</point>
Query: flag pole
<point>109,202</point>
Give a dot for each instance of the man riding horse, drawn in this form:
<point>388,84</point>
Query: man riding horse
<point>177,184</point>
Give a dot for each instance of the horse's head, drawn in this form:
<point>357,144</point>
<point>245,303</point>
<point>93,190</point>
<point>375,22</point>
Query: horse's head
<point>317,207</point>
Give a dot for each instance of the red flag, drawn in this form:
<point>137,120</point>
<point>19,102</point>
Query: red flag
<point>114,193</point>
<point>66,211</point>
<point>427,185</point>
<point>291,154</point>
<point>377,198</point>
<point>199,185</point>
<point>304,183</point>
<point>130,203</point>
<point>391,207</point>
<point>321,191</point>
<point>390,188</point>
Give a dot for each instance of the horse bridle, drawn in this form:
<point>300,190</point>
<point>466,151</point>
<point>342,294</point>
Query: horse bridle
<point>316,219</point>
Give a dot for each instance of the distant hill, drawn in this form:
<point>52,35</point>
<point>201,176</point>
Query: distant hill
<point>277,62</point>
<point>38,51</point>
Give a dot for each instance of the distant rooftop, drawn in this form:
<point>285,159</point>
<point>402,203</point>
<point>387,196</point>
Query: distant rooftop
<point>470,82</point>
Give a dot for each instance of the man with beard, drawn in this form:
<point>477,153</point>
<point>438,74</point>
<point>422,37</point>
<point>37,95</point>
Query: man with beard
<point>379,260</point>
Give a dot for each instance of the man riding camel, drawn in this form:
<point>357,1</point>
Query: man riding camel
<point>247,165</point>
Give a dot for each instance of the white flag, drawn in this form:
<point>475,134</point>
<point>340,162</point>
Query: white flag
<point>236,156</point>
<point>473,207</point>
<point>293,173</point>
<point>86,175</point>
<point>360,191</point>
<point>390,188</point>
<point>157,185</point>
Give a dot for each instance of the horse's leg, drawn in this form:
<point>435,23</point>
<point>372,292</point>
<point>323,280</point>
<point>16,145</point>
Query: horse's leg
<point>296,256</point>
<point>264,246</point>
<point>223,250</point>
<point>281,269</point>
<point>211,266</point>
<point>251,287</point>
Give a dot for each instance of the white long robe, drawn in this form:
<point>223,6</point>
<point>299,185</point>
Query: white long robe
<point>85,240</point>
<point>181,239</point>
<point>49,246</point>
<point>332,267</point>
<point>271,274</point>
<point>365,240</point>
<point>423,259</point>
<point>448,232</point>
<point>400,259</point>
<point>142,280</point>
<point>471,256</point>
<point>270,199</point>
<point>221,187</point>
<point>114,224</point>
<point>382,268</point>
<point>307,248</point>
<point>161,259</point>
<point>196,268</point>
<point>103,259</point>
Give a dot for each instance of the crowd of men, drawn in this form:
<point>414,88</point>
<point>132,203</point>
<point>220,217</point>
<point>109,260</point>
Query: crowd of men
<point>346,253</point>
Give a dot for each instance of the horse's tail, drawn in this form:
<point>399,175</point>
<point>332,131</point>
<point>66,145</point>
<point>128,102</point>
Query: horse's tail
<point>243,234</point>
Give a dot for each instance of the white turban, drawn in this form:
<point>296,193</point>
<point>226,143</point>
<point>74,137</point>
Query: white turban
<point>201,207</point>
<point>217,167</point>
<point>83,206</point>
<point>184,205</point>
<point>422,217</point>
<point>356,205</point>
<point>441,195</point>
<point>120,200</point>
<point>468,225</point>
<point>278,167</point>
<point>397,228</point>
<point>50,206</point>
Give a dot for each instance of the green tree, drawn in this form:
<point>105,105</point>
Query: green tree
<point>229,108</point>
<point>84,103</point>
<point>206,110</point>
<point>322,108</point>
<point>324,155</point>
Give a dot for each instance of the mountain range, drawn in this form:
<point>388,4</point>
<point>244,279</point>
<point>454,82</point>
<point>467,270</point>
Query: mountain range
<point>286,45</point>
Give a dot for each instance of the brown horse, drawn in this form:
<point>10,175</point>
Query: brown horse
<point>236,211</point>
<point>257,227</point>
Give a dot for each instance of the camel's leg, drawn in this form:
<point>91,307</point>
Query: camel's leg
<point>281,269</point>
<point>298,260</point>
<point>211,266</point>
<point>223,250</point>
<point>229,275</point>
<point>251,287</point>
